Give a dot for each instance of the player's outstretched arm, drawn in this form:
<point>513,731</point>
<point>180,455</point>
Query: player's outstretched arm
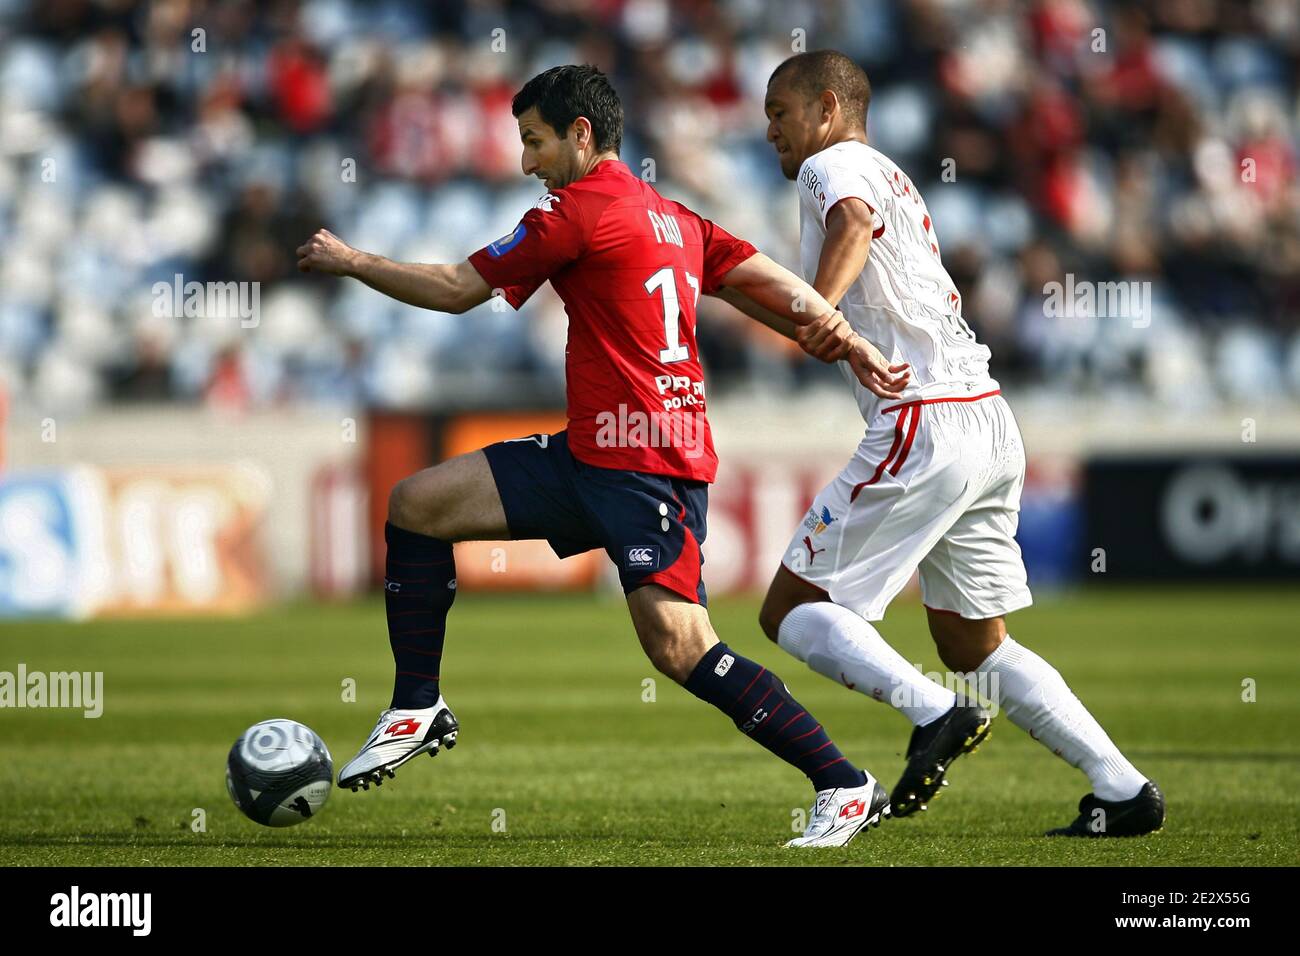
<point>777,290</point>
<point>755,311</point>
<point>819,328</point>
<point>443,288</point>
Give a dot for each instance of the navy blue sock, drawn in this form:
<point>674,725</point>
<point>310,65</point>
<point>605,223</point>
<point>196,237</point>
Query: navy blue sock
<point>419,586</point>
<point>760,706</point>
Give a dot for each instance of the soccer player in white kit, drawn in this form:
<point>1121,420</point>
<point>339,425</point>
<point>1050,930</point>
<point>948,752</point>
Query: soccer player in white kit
<point>935,484</point>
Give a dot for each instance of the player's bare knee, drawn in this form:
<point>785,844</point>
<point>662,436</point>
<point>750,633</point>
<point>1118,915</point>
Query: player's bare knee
<point>964,644</point>
<point>668,665</point>
<point>399,504</point>
<point>413,505</point>
<point>402,505</point>
<point>784,594</point>
<point>953,655</point>
<point>668,656</point>
<point>771,615</point>
<point>674,650</point>
<point>955,650</point>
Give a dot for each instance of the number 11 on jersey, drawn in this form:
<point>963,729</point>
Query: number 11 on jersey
<point>663,280</point>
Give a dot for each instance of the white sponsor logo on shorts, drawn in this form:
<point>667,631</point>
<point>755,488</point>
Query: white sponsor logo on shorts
<point>642,557</point>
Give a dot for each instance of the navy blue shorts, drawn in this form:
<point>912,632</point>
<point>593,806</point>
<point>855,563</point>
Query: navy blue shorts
<point>651,526</point>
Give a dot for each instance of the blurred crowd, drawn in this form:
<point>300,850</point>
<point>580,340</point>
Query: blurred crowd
<point>148,145</point>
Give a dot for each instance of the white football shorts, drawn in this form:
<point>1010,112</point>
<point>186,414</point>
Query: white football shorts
<point>938,491</point>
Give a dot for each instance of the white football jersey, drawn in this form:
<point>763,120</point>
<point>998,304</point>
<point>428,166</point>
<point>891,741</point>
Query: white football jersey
<point>903,301</point>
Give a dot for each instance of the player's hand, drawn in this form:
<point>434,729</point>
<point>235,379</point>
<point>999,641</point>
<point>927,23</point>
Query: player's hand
<point>326,252</point>
<point>876,374</point>
<point>828,338</point>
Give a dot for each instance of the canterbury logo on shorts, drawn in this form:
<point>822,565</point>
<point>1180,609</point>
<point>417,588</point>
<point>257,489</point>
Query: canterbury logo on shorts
<point>642,557</point>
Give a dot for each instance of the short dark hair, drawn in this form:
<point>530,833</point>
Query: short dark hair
<point>563,93</point>
<point>811,73</point>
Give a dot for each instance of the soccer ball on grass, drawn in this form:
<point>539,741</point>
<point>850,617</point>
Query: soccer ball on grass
<point>279,773</point>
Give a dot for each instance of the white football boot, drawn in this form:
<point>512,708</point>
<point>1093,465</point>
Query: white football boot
<point>841,812</point>
<point>398,736</point>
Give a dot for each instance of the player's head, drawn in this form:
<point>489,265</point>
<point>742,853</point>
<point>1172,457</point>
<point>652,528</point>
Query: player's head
<point>567,116</point>
<point>813,101</point>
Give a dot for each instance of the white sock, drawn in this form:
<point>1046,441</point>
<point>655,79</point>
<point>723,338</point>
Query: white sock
<point>839,644</point>
<point>1036,699</point>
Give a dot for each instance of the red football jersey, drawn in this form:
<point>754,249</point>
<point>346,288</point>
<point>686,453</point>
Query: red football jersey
<point>630,267</point>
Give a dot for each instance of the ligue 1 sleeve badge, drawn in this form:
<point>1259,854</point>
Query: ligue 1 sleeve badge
<point>507,242</point>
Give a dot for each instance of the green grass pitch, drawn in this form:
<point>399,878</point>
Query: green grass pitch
<point>563,760</point>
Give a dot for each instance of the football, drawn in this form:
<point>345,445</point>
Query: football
<point>279,773</point>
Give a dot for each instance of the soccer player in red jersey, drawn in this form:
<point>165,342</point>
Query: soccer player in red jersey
<point>630,473</point>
